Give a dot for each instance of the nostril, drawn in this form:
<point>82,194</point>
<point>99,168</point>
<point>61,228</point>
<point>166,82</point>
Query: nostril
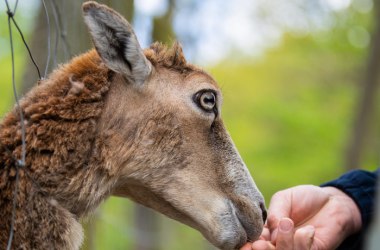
<point>263,211</point>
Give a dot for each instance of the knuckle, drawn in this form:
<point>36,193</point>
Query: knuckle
<point>278,194</point>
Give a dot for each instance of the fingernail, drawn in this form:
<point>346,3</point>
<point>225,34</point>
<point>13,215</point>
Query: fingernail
<point>285,225</point>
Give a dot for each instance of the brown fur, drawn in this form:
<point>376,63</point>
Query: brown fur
<point>170,58</point>
<point>60,137</point>
<point>92,132</point>
<point>65,174</point>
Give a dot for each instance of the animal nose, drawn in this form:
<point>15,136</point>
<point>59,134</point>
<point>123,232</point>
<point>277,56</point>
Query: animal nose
<point>263,211</point>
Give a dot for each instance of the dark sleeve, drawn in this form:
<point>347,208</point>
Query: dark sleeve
<point>361,186</point>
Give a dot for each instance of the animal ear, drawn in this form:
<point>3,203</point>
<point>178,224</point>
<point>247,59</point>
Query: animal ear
<point>116,42</point>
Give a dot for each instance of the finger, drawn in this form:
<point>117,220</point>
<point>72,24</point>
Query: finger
<point>303,238</point>
<point>285,234</point>
<point>262,245</point>
<point>247,246</point>
<point>265,234</point>
<point>273,236</point>
<point>279,207</point>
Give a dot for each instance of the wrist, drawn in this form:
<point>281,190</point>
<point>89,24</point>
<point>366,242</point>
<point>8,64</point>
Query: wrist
<point>351,216</point>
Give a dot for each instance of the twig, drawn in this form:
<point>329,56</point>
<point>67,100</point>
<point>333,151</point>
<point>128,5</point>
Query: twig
<point>48,38</point>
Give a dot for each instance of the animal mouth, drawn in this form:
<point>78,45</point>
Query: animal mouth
<point>246,226</point>
<point>243,237</point>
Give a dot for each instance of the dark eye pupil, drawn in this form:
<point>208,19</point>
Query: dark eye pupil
<point>207,100</point>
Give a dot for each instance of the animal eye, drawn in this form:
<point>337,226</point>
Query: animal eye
<point>206,100</point>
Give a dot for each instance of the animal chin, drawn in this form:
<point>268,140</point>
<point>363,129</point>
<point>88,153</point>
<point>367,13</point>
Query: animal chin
<point>233,236</point>
<point>235,230</point>
<point>227,232</point>
<point>252,232</point>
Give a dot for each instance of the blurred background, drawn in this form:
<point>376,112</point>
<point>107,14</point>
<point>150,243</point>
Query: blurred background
<point>300,81</point>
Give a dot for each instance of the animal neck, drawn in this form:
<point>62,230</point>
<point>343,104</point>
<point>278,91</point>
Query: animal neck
<point>63,152</point>
<point>64,177</point>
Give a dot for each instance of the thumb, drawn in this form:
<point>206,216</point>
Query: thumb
<point>279,207</point>
<point>285,234</point>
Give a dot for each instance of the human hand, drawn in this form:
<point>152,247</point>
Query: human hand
<point>321,218</point>
<point>287,238</point>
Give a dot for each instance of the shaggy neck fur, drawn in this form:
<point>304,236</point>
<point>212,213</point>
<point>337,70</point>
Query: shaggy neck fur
<point>64,177</point>
<point>69,167</point>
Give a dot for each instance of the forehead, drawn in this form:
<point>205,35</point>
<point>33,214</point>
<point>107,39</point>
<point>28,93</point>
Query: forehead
<point>171,65</point>
<point>200,77</point>
<point>192,80</point>
<point>172,84</point>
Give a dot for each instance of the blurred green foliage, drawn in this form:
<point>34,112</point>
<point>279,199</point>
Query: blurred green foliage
<point>291,112</point>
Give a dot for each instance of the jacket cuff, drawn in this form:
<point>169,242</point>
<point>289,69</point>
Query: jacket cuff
<point>361,186</point>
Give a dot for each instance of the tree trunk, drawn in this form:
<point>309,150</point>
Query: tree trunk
<point>65,17</point>
<point>146,228</point>
<point>162,26</point>
<point>73,37</point>
<point>366,105</point>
